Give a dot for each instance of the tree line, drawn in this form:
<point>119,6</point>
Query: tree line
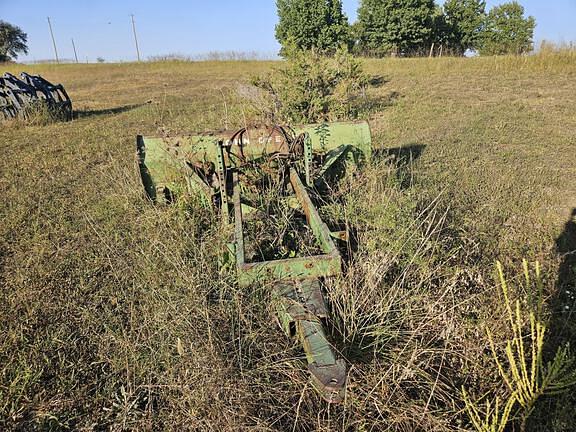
<point>406,27</point>
<point>383,28</point>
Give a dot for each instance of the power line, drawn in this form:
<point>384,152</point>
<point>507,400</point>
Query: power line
<point>53,40</point>
<point>135,37</point>
<point>75,53</point>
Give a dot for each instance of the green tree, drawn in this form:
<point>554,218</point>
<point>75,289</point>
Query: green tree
<point>464,24</point>
<point>307,24</point>
<point>507,31</point>
<point>403,27</point>
<point>440,33</point>
<point>13,41</point>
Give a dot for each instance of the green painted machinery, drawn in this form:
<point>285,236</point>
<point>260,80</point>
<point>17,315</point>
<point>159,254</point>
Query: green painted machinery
<point>235,171</point>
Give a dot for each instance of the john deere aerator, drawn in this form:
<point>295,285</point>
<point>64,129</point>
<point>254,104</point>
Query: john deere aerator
<point>233,171</point>
<point>20,97</point>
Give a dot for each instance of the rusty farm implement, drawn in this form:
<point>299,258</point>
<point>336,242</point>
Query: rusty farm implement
<point>251,176</point>
<point>19,97</point>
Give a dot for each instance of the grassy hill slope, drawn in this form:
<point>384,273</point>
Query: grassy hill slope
<point>105,312</point>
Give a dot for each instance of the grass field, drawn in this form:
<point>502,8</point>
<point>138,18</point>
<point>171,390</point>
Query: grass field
<point>105,317</point>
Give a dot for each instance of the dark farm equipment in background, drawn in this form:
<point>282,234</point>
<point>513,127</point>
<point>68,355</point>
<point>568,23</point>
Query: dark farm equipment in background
<point>19,97</point>
<point>234,172</point>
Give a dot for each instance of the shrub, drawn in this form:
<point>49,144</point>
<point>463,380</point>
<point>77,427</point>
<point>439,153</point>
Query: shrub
<point>312,87</point>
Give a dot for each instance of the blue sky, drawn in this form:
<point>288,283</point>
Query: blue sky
<point>102,27</point>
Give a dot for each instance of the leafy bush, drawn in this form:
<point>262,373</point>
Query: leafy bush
<point>312,87</point>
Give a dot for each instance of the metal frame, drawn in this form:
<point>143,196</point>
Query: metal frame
<point>214,160</point>
<point>325,265</point>
<point>300,305</point>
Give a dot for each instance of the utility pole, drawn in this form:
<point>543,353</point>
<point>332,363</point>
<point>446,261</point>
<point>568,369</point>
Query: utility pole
<point>135,37</point>
<point>75,53</point>
<point>53,41</point>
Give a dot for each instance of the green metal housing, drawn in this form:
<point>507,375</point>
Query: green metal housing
<point>168,162</point>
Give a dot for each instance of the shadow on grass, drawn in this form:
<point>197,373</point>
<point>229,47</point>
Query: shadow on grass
<point>563,326</point>
<point>376,103</point>
<point>107,111</point>
<point>558,413</point>
<point>562,323</point>
<point>377,81</point>
<point>402,158</point>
